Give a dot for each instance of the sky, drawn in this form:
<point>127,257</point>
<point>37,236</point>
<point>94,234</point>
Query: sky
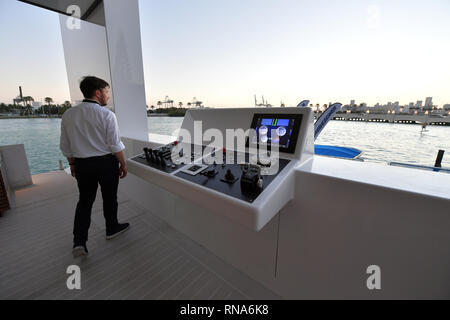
<point>225,52</point>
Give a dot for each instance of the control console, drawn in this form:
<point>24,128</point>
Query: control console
<point>235,183</point>
<point>234,176</point>
<point>168,158</point>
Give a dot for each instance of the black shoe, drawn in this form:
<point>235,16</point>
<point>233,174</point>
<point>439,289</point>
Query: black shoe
<point>80,250</point>
<point>121,228</point>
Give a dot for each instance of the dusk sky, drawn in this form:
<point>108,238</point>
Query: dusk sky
<point>224,52</point>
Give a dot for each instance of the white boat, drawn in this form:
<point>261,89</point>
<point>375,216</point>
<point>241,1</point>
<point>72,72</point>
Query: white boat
<point>324,228</point>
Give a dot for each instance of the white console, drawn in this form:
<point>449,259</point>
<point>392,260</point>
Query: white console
<point>242,192</point>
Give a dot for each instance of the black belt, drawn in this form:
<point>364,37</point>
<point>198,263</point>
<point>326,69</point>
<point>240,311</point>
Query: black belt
<point>97,157</point>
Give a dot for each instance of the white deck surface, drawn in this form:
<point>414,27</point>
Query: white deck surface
<point>150,261</point>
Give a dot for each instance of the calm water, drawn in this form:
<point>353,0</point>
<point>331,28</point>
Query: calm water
<point>380,142</point>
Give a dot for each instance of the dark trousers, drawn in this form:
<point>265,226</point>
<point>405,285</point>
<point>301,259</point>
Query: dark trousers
<point>91,172</point>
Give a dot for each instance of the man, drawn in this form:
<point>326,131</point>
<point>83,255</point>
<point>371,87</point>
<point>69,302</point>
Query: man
<point>90,140</point>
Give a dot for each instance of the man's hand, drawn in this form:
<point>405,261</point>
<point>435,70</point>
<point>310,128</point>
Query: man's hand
<point>123,164</point>
<point>72,166</point>
<point>72,170</point>
<point>123,171</point>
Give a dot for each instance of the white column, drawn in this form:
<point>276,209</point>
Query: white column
<point>85,53</point>
<point>126,65</point>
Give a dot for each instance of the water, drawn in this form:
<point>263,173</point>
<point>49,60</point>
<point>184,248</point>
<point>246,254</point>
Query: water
<point>390,142</point>
<point>164,125</point>
<point>41,140</point>
<point>380,142</point>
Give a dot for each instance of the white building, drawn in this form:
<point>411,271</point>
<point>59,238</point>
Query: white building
<point>446,108</point>
<point>36,105</point>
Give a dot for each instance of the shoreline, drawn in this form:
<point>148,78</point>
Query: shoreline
<point>29,117</point>
<point>386,118</point>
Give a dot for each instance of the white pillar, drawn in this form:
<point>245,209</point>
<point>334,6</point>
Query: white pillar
<point>85,53</point>
<point>113,53</point>
<point>126,65</point>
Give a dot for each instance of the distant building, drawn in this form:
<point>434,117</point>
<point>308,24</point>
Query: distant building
<point>428,103</point>
<point>352,103</point>
<point>36,105</point>
<point>419,104</point>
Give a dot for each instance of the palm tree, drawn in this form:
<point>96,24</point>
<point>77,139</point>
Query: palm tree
<point>189,104</point>
<point>180,104</point>
<point>48,100</point>
<point>28,107</point>
<point>28,99</point>
<point>159,104</point>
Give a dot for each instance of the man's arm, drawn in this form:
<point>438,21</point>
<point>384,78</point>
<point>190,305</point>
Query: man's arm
<point>116,145</point>
<point>72,166</point>
<point>123,165</point>
<point>64,142</point>
<point>64,146</point>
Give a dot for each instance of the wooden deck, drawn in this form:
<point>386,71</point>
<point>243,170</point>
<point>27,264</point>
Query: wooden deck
<point>150,261</point>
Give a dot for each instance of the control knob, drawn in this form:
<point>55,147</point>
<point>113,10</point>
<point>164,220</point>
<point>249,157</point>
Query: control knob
<point>251,180</point>
<point>229,176</point>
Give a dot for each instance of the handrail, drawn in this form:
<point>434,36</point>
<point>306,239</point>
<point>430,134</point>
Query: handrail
<point>415,166</point>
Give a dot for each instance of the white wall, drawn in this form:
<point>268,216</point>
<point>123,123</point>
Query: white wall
<point>330,233</point>
<point>335,228</point>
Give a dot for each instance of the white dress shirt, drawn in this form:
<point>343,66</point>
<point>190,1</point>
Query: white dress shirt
<point>89,130</point>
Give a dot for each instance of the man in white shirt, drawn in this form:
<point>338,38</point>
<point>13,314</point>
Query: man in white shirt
<point>90,140</point>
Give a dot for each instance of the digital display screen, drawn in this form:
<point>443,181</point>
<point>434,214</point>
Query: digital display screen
<point>281,130</point>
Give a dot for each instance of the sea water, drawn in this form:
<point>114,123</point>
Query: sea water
<point>379,142</point>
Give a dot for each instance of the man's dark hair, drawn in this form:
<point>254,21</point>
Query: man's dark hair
<point>90,84</point>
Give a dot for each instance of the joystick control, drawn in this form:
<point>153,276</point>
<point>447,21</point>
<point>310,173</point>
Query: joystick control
<point>147,154</point>
<point>163,161</point>
<point>229,176</point>
<point>211,172</point>
<point>251,180</point>
<point>152,157</point>
<point>157,160</point>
